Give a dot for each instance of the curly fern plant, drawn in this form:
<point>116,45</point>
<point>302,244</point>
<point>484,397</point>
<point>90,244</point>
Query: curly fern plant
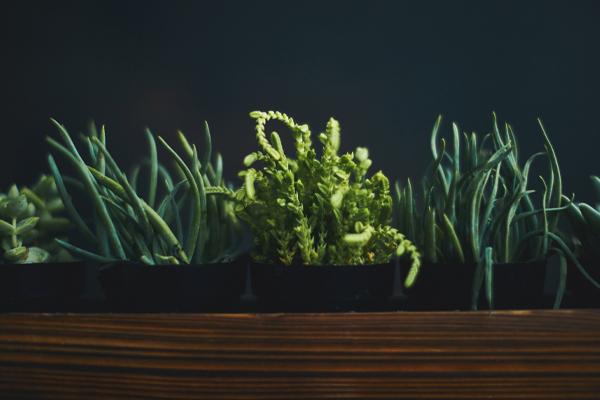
<point>316,211</point>
<point>30,220</point>
<point>150,228</point>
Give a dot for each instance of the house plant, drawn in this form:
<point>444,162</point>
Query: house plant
<point>153,260</point>
<point>481,225</point>
<point>584,220</point>
<point>35,273</point>
<point>322,234</point>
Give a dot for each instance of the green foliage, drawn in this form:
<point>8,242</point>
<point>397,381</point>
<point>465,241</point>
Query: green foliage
<point>317,210</point>
<point>128,225</point>
<point>478,206</point>
<point>30,221</point>
<point>584,220</point>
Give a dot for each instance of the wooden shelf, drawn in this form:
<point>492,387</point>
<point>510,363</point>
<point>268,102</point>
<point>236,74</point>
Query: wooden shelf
<point>512,354</point>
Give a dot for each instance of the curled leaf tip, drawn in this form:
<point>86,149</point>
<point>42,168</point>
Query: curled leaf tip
<point>250,159</point>
<point>361,153</point>
<point>256,114</point>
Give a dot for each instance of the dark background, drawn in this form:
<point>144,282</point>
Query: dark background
<point>384,69</point>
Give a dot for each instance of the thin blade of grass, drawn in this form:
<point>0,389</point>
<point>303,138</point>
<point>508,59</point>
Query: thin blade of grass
<point>92,190</point>
<point>153,181</point>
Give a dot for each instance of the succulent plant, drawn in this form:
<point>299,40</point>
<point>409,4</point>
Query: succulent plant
<point>314,210</point>
<point>30,221</point>
<point>130,226</point>
<point>478,206</point>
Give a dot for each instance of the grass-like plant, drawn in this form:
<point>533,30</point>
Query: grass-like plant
<point>150,228</point>
<point>30,221</point>
<point>317,210</point>
<point>584,220</point>
<point>478,205</point>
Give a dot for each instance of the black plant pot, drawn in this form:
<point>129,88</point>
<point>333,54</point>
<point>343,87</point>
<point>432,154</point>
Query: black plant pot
<point>132,287</point>
<point>519,286</point>
<point>580,292</point>
<point>450,287</point>
<point>49,287</point>
<point>440,287</point>
<point>322,288</point>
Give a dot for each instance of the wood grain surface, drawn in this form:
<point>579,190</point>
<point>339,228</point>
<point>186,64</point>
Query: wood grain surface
<point>520,354</point>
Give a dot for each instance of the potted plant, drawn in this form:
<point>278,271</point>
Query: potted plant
<point>584,220</point>
<point>322,234</point>
<point>174,248</point>
<point>35,273</point>
<point>481,226</point>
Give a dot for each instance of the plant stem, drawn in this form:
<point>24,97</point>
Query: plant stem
<point>15,242</point>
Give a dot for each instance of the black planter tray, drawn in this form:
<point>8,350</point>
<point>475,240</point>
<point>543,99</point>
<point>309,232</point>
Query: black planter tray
<point>581,293</point>
<point>441,287</point>
<point>322,288</point>
<point>131,287</point>
<point>49,287</point>
<point>519,286</point>
<point>449,287</point>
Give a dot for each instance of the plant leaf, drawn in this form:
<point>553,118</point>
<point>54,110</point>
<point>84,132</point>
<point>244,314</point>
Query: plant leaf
<point>6,229</point>
<point>26,225</point>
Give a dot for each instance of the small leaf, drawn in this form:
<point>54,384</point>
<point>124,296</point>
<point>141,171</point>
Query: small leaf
<point>359,238</point>
<point>206,154</point>
<point>411,276</point>
<point>153,182</point>
<point>337,198</point>
<point>596,184</point>
<point>13,192</point>
<point>166,260</point>
<point>366,164</point>
<point>249,185</point>
<point>6,228</point>
<point>26,225</point>
<point>16,254</point>
<point>592,217</point>
<point>34,198</point>
<point>86,255</point>
<point>250,159</point>
<point>45,187</point>
<point>361,153</point>
<point>35,255</point>
<point>400,250</point>
<point>12,207</point>
<point>31,210</point>
<point>257,114</point>
<point>55,205</point>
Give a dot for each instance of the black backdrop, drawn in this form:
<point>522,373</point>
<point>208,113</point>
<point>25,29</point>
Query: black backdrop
<point>384,69</point>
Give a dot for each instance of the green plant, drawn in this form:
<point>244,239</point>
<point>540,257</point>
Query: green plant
<point>317,210</point>
<point>149,229</point>
<point>29,222</point>
<point>584,220</point>
<point>478,206</point>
